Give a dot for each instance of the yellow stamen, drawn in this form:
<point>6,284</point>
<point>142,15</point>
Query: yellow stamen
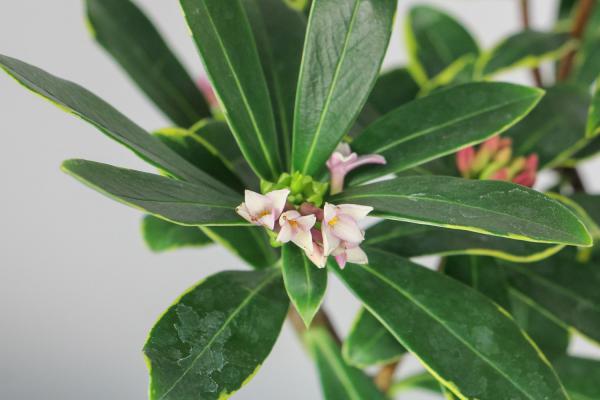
<point>333,221</point>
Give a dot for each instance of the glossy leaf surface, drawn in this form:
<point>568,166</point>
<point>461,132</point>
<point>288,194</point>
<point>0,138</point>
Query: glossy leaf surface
<point>226,43</point>
<point>593,121</point>
<point>580,376</point>
<point>84,104</point>
<point>441,124</point>
<point>550,337</point>
<point>339,381</point>
<point>161,235</point>
<point>565,289</point>
<point>176,201</point>
<point>435,40</point>
<point>458,333</point>
<point>279,33</point>
<point>370,343</point>
<point>554,130</point>
<point>304,282</point>
<point>216,336</point>
<point>490,207</point>
<point>250,243</point>
<point>337,74</point>
<point>412,240</point>
<point>134,42</point>
<point>525,49</point>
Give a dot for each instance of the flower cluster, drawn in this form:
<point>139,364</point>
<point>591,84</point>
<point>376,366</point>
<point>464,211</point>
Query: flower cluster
<point>333,230</point>
<point>290,210</point>
<point>493,160</point>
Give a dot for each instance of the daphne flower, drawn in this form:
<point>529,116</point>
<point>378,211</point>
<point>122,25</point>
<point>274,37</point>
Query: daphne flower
<point>296,227</point>
<point>317,256</point>
<point>261,209</point>
<point>347,252</point>
<point>340,224</point>
<point>343,160</point>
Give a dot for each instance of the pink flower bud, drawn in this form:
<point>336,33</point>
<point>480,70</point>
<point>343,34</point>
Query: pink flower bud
<point>343,160</point>
<point>208,92</point>
<point>464,160</point>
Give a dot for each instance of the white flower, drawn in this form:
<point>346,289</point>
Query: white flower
<point>317,256</point>
<point>261,209</point>
<point>340,224</point>
<point>296,227</point>
<point>347,252</point>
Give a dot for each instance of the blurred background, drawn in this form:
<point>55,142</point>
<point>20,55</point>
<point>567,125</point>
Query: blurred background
<point>78,288</point>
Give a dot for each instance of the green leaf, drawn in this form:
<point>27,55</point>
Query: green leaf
<point>422,380</point>
<point>130,37</point>
<point>411,240</point>
<point>555,129</point>
<point>593,120</point>
<point>337,74</point>
<point>587,61</point>
<point>566,291</point>
<point>591,149</point>
<point>199,152</point>
<point>279,33</point>
<point>525,49</point>
<point>435,40</point>
<point>175,201</point>
<point>84,104</point>
<point>441,124</point>
<point>580,376</point>
<point>247,242</point>
<point>482,274</point>
<point>590,203</point>
<point>551,338</point>
<point>580,211</point>
<point>370,343</point>
<point>218,135</point>
<point>490,207</point>
<point>305,283</point>
<point>216,336</point>
<point>161,235</point>
<point>392,89</point>
<point>339,381</point>
<point>452,334</point>
<point>226,43</point>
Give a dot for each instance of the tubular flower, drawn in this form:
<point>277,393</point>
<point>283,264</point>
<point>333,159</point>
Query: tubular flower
<point>342,234</point>
<point>317,256</point>
<point>343,160</point>
<point>263,210</point>
<point>493,160</point>
<point>296,227</point>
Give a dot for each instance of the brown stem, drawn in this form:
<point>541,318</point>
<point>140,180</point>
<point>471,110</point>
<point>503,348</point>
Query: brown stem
<point>321,319</point>
<point>581,18</point>
<point>572,176</point>
<point>525,20</point>
<point>385,376</point>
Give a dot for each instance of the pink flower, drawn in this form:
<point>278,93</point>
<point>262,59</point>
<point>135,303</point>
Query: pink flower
<point>343,160</point>
<point>263,210</point>
<point>317,256</point>
<point>296,228</point>
<point>529,174</point>
<point>340,224</point>
<point>347,252</point>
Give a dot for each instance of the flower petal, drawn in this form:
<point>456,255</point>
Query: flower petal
<point>356,255</point>
<point>242,210</point>
<point>285,234</point>
<point>330,241</point>
<point>341,259</point>
<point>304,241</point>
<point>268,220</point>
<point>347,230</point>
<point>279,198</point>
<point>330,212</point>
<point>356,211</point>
<point>306,222</point>
<point>256,203</point>
<point>317,257</point>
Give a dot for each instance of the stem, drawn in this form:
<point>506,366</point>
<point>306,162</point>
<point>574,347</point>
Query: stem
<point>573,177</point>
<point>581,19</point>
<point>525,20</point>
<point>385,376</point>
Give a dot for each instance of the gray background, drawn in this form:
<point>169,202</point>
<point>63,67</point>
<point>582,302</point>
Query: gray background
<point>78,289</point>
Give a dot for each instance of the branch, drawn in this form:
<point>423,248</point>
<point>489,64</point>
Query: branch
<point>385,376</point>
<point>525,20</point>
<point>581,19</point>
